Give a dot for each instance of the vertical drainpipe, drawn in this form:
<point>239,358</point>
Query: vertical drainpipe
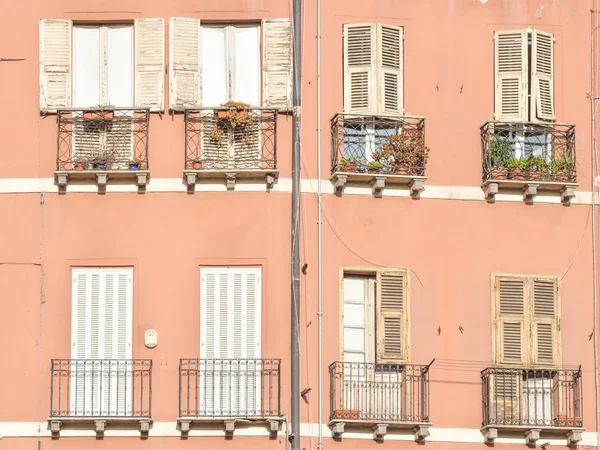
<point>296,121</point>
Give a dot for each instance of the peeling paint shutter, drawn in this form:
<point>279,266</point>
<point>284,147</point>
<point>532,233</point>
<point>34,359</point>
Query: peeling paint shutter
<point>391,318</point>
<point>184,63</point>
<point>149,63</point>
<point>55,64</point>
<point>542,75</point>
<point>511,75</point>
<point>359,68</point>
<point>277,63</point>
<point>510,323</point>
<point>545,321</point>
<point>390,60</point>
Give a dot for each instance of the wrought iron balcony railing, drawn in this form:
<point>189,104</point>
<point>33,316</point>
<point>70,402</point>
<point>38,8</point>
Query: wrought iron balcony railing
<point>384,393</point>
<point>229,388</point>
<point>221,139</point>
<point>103,139</point>
<point>101,388</point>
<point>378,145</point>
<point>536,152</point>
<point>539,398</point>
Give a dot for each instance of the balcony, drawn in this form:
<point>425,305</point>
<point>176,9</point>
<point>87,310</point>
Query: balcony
<point>100,391</point>
<point>229,390</point>
<point>378,151</point>
<point>532,401</point>
<point>228,143</point>
<point>102,145</point>
<point>379,396</point>
<point>529,157</point>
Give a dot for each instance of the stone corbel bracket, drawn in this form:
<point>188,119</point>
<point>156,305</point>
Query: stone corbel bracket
<point>273,427</point>
<point>100,426</point>
<point>142,181</point>
<point>378,184</point>
<point>532,436</point>
<point>339,183</point>
<point>144,426</point>
<point>490,191</point>
<point>230,427</point>
<point>422,432</point>
<point>566,194</point>
<point>337,429</point>
<point>489,435</point>
<point>379,431</point>
<point>184,426</point>
<point>574,436</point>
<point>62,179</point>
<point>230,180</point>
<point>55,427</point>
<point>416,186</point>
<point>101,180</point>
<point>530,191</point>
<point>190,181</point>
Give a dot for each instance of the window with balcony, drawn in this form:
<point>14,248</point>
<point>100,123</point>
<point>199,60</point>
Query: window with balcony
<point>527,388</point>
<point>231,379</point>
<point>101,382</point>
<point>231,80</point>
<point>523,146</point>
<point>102,80</point>
<point>372,140</point>
<point>375,382</point>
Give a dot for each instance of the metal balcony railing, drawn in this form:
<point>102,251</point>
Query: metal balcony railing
<point>378,144</point>
<point>102,139</point>
<point>528,151</point>
<point>385,393</point>
<point>97,388</point>
<point>545,398</point>
<point>215,140</point>
<point>240,388</point>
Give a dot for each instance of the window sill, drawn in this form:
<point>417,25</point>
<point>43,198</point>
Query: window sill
<point>378,181</point>
<point>102,177</point>
<point>532,432</point>
<point>529,189</point>
<point>99,423</point>
<point>273,423</point>
<point>230,176</point>
<point>379,428</point>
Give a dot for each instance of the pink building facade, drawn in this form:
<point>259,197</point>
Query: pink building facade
<point>146,186</point>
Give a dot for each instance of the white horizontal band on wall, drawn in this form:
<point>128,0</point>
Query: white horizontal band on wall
<point>169,429</point>
<point>472,193</point>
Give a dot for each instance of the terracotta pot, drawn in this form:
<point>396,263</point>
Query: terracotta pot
<point>499,173</point>
<point>349,167</point>
<point>400,170</point>
<point>78,166</point>
<point>517,174</point>
<point>99,115</point>
<point>197,165</point>
<point>561,176</point>
<point>346,414</point>
<point>536,175</point>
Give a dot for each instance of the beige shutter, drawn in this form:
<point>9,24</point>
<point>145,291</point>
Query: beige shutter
<point>149,63</point>
<point>511,75</point>
<point>545,321</point>
<point>277,63</point>
<point>184,63</point>
<point>359,68</point>
<point>390,71</point>
<point>505,396</point>
<point>55,64</point>
<point>510,321</point>
<point>391,317</point>
<point>542,75</point>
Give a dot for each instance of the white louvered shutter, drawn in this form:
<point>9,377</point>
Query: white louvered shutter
<point>277,63</point>
<point>542,75</point>
<point>511,70</point>
<point>511,330</point>
<point>545,319</point>
<point>55,64</point>
<point>184,63</point>
<point>390,44</point>
<point>359,68</point>
<point>149,63</point>
<point>391,317</point>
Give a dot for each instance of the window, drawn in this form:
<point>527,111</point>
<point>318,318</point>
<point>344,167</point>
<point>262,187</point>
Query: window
<point>88,65</point>
<point>211,64</point>
<point>526,317</point>
<point>230,340</point>
<point>101,342</point>
<point>524,75</point>
<point>373,69</point>
<point>376,318</point>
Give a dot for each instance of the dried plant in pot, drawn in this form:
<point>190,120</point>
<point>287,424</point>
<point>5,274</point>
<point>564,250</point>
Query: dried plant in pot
<point>236,115</point>
<point>348,164</point>
<point>499,155</point>
<point>404,153</point>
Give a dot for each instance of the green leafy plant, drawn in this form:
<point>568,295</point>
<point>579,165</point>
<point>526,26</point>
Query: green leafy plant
<point>516,163</point>
<point>374,167</point>
<point>500,152</point>
<point>536,163</point>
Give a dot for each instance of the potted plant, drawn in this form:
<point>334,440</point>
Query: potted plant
<point>79,164</point>
<point>499,155</point>
<point>517,168</point>
<point>348,164</point>
<point>561,168</point>
<point>134,164</point>
<point>374,167</point>
<point>197,164</point>
<point>406,154</point>
<point>537,167</point>
<point>236,115</point>
<point>100,112</point>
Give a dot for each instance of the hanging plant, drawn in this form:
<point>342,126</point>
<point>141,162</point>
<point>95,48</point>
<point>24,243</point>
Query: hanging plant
<point>236,115</point>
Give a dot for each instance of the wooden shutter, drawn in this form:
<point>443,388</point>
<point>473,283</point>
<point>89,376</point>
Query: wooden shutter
<point>149,63</point>
<point>542,75</point>
<point>511,75</point>
<point>184,63</point>
<point>55,64</point>
<point>277,63</point>
<point>505,396</point>
<point>359,68</point>
<point>510,321</point>
<point>390,61</point>
<point>545,322</point>
<point>391,317</point>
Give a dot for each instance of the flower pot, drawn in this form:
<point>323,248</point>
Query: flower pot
<point>536,175</point>
<point>197,165</point>
<point>349,167</point>
<point>517,174</point>
<point>98,115</point>
<point>561,176</point>
<point>134,166</point>
<point>400,170</point>
<point>499,173</point>
<point>99,165</point>
<point>78,166</point>
<point>346,414</point>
